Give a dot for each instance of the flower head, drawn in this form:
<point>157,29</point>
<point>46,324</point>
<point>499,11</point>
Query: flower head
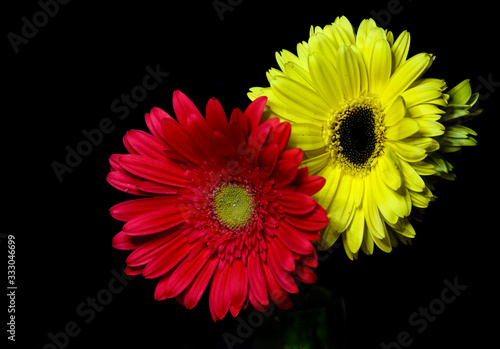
<point>367,121</point>
<point>223,204</point>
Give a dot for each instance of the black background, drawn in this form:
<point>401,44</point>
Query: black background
<point>64,80</point>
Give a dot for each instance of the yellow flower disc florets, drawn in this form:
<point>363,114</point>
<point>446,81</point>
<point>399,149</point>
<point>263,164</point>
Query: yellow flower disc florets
<point>354,134</point>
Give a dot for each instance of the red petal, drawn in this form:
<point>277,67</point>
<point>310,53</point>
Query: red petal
<point>296,203</point>
<point>311,185</point>
<point>309,235</point>
<point>255,303</point>
<point>269,157</point>
<point>143,254</point>
<point>293,240</point>
<point>122,241</point>
<point>164,172</point>
<point>282,277</point>
<point>295,154</point>
<point>238,283</point>
<point>281,135</point>
<point>142,143</point>
<point>154,222</point>
<point>133,270</point>
<point>200,132</point>
<point>256,280</point>
<point>167,258</point>
<point>305,274</point>
<point>257,139</point>
<point>180,141</point>
<point>124,182</point>
<point>156,188</point>
<point>184,274</point>
<point>127,210</point>
<point>282,255</point>
<point>238,120</point>
<point>153,120</point>
<point>284,172</point>
<point>216,118</point>
<point>313,221</point>
<point>253,112</point>
<point>276,292</point>
<point>183,106</point>
<point>160,288</point>
<point>238,138</point>
<point>195,290</point>
<point>310,260</point>
<point>113,161</point>
<point>219,297</point>
<point>222,145</point>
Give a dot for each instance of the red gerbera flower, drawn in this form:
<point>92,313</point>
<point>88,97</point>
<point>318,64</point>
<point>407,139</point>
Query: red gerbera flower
<point>224,203</point>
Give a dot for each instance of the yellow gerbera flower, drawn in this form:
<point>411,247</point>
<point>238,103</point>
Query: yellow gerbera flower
<point>366,120</point>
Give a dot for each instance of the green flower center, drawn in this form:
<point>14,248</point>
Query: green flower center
<point>233,205</point>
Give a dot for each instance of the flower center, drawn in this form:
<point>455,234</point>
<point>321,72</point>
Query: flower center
<point>355,134</point>
<point>233,205</point>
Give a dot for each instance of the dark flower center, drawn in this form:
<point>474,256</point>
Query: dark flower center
<point>356,135</point>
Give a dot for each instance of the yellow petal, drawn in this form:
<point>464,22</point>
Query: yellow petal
<point>388,171</point>
<point>297,73</point>
<point>352,75</point>
<point>419,199</point>
<point>400,49</point>
<point>306,136</point>
<point>380,65</point>
<point>426,109</point>
<point>374,222</point>
<point>344,23</point>
<point>405,75</point>
<point>413,181</point>
<point>384,244</point>
<point>328,238</point>
<point>286,56</point>
<point>341,207</point>
<point>403,129</point>
<point>396,112</point>
<point>408,152</point>
<point>348,252</point>
<point>358,188</point>
<point>326,194</point>
<point>356,231</point>
<point>316,164</point>
<point>300,98</point>
<point>367,245</point>
<point>364,28</point>
<point>423,168</point>
<point>430,128</point>
<point>386,211</point>
<point>321,43</point>
<point>424,92</point>
<point>325,79</point>
<point>279,109</point>
<point>338,36</point>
